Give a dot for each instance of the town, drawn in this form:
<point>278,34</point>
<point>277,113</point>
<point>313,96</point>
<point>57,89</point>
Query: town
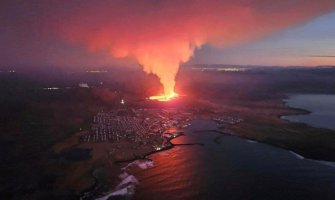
<point>141,126</point>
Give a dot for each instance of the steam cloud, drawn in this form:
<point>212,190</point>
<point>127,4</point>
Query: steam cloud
<point>161,35</point>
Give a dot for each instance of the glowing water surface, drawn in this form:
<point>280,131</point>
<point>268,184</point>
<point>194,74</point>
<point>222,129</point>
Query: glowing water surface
<point>228,167</point>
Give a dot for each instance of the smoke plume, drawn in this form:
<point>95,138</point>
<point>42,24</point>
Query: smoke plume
<point>160,35</point>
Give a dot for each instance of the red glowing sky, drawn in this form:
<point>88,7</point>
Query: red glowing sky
<point>159,35</point>
<point>170,30</point>
<point>46,32</point>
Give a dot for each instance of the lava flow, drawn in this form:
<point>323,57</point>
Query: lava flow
<point>161,36</point>
<point>164,97</point>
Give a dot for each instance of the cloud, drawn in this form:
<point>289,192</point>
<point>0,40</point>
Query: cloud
<point>321,56</point>
<point>160,35</point>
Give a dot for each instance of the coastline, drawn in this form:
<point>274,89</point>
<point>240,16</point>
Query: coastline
<point>90,192</point>
<point>295,136</point>
<point>143,156</point>
<point>227,130</point>
<point>298,111</point>
<point>317,110</point>
<point>291,150</point>
<point>254,128</point>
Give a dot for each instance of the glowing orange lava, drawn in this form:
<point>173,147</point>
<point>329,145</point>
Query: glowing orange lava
<point>169,97</point>
<point>163,35</point>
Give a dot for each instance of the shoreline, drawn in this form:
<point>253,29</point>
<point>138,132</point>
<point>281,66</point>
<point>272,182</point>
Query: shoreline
<point>297,155</point>
<point>284,143</point>
<point>86,194</point>
<point>302,154</point>
<point>301,111</point>
<point>293,151</point>
<point>170,146</point>
<point>286,134</point>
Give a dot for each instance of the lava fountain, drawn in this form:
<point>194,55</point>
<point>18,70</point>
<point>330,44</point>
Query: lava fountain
<point>161,35</point>
<point>163,58</point>
<point>164,97</point>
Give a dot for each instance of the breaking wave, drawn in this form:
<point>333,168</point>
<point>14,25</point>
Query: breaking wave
<point>127,185</point>
<point>297,155</point>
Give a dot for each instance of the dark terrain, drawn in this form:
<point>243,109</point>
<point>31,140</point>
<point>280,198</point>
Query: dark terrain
<point>33,120</point>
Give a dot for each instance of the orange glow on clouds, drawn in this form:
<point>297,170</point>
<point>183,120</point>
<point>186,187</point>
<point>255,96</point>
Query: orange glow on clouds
<point>160,35</point>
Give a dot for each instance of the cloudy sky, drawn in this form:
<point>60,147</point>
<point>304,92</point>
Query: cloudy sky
<point>98,33</point>
<point>311,43</point>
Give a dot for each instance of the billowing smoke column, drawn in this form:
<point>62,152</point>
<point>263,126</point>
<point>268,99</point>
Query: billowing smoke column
<point>161,35</point>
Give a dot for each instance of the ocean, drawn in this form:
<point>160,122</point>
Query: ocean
<point>321,106</point>
<point>221,166</point>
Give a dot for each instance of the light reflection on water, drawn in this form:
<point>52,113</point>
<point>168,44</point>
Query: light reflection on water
<point>231,169</point>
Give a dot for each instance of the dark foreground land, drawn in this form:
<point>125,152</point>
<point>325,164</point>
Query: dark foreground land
<point>44,117</point>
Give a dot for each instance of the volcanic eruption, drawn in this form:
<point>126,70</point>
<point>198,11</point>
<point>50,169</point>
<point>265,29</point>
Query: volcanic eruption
<point>161,35</point>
